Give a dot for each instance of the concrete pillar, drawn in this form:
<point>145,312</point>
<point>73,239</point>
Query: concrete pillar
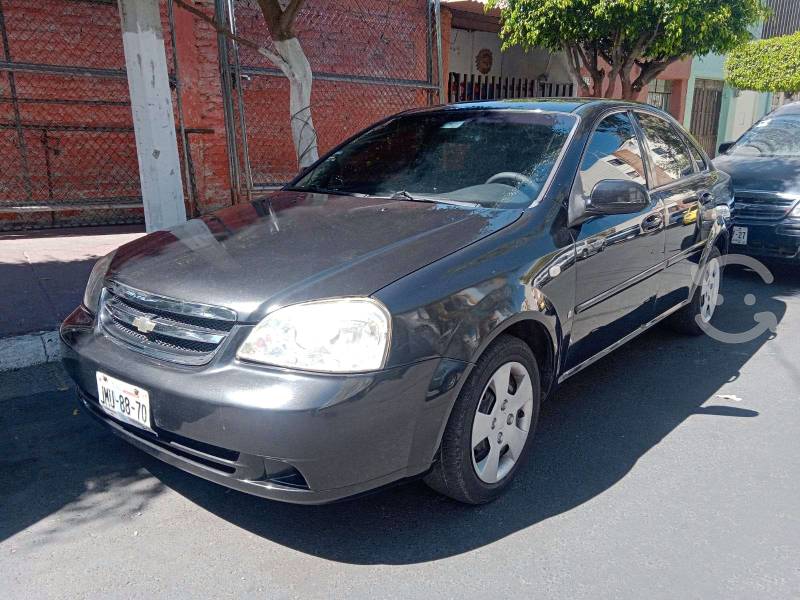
<point>153,120</point>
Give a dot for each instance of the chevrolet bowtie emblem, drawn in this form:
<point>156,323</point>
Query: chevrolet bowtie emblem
<point>143,324</point>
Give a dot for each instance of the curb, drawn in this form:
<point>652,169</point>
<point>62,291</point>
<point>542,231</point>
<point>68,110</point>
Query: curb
<point>23,351</point>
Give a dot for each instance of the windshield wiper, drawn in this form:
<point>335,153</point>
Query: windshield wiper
<point>319,190</point>
<point>404,195</point>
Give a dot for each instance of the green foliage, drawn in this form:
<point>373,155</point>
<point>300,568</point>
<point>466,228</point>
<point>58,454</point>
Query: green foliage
<point>669,27</point>
<point>648,33</point>
<point>771,65</point>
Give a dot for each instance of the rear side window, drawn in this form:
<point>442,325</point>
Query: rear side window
<point>613,153</point>
<point>667,150</point>
<point>698,159</point>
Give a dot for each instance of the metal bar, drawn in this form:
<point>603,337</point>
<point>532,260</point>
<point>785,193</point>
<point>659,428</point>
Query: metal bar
<point>365,79</point>
<point>190,192</point>
<point>439,59</point>
<point>26,67</point>
<point>220,14</point>
<point>28,207</point>
<point>49,127</point>
<point>237,72</point>
<point>429,47</point>
<point>12,84</point>
<point>65,101</point>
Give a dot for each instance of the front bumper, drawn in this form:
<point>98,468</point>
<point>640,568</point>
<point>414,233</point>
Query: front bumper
<point>777,240</point>
<point>280,434</point>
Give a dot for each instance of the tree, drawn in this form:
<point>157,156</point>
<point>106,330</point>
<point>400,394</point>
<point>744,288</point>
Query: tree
<point>771,65</point>
<point>286,54</point>
<point>630,40</point>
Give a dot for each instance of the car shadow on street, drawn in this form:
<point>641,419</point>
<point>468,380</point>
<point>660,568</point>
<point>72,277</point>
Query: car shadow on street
<point>54,460</point>
<point>591,434</point>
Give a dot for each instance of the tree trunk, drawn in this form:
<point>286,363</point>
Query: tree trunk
<point>627,91</point>
<point>290,58</point>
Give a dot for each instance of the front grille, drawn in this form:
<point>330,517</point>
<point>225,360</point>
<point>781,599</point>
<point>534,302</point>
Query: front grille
<point>166,328</point>
<point>761,206</point>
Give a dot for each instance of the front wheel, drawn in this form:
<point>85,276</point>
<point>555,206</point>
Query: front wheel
<point>701,309</point>
<point>491,425</point>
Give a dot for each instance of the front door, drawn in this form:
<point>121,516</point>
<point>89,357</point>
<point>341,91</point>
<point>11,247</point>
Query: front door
<point>706,107</point>
<point>619,257</point>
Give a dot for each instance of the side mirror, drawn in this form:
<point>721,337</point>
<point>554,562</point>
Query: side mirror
<point>610,197</point>
<point>724,147</point>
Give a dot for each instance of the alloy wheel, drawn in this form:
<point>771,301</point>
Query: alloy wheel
<point>502,422</point>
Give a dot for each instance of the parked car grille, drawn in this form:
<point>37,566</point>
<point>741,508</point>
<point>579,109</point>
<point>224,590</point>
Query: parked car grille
<point>183,332</point>
<point>761,206</point>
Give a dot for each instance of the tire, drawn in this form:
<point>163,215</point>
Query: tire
<point>461,472</point>
<point>685,320</point>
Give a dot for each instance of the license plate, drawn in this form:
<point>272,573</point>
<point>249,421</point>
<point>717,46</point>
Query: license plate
<point>124,401</point>
<point>739,235</point>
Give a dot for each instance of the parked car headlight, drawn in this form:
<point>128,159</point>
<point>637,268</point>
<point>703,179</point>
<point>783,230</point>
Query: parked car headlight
<point>91,297</point>
<point>796,210</point>
<point>343,335</point>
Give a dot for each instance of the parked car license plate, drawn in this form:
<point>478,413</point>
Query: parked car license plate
<point>124,401</point>
<point>739,235</point>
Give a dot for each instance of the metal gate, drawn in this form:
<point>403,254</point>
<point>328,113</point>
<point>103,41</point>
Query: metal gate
<point>370,59</point>
<point>706,107</point>
<point>67,146</point>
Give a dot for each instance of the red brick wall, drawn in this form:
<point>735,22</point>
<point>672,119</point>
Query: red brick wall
<point>385,38</point>
<point>67,156</point>
<point>78,129</point>
<point>204,119</point>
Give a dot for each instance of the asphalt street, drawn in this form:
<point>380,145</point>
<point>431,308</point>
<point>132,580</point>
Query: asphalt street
<point>670,469</point>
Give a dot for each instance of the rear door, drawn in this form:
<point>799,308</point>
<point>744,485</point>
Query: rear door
<point>681,180</point>
<point>619,257</point>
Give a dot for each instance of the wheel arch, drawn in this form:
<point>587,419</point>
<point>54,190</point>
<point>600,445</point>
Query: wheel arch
<point>541,333</point>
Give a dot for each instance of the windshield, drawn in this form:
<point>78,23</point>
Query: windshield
<point>772,136</point>
<point>491,158</point>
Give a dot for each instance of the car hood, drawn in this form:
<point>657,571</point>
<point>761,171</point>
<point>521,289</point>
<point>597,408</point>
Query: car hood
<point>769,174</point>
<point>294,246</point>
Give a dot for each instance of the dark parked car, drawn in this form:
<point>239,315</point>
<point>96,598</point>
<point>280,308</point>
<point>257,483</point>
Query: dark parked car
<point>403,307</point>
<point>765,166</point>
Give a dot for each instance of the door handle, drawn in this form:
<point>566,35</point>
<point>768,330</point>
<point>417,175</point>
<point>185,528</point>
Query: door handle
<point>652,222</point>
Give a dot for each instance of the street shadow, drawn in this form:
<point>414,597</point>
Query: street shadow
<point>38,297</point>
<point>37,292</point>
<point>591,434</point>
<point>53,459</point>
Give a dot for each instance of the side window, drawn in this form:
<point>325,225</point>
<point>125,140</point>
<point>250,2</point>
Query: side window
<point>613,153</point>
<point>666,149</point>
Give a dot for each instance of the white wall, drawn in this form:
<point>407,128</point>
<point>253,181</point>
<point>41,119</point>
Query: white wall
<point>747,108</point>
<point>465,45</point>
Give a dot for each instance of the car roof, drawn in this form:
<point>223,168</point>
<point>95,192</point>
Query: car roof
<point>792,108</point>
<point>569,105</point>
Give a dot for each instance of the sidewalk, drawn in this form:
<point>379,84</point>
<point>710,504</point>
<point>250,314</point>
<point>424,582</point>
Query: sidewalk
<point>42,278</point>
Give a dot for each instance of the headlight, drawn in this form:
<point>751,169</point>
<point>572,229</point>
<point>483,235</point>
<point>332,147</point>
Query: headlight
<point>342,335</point>
<point>796,210</point>
<point>91,297</point>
